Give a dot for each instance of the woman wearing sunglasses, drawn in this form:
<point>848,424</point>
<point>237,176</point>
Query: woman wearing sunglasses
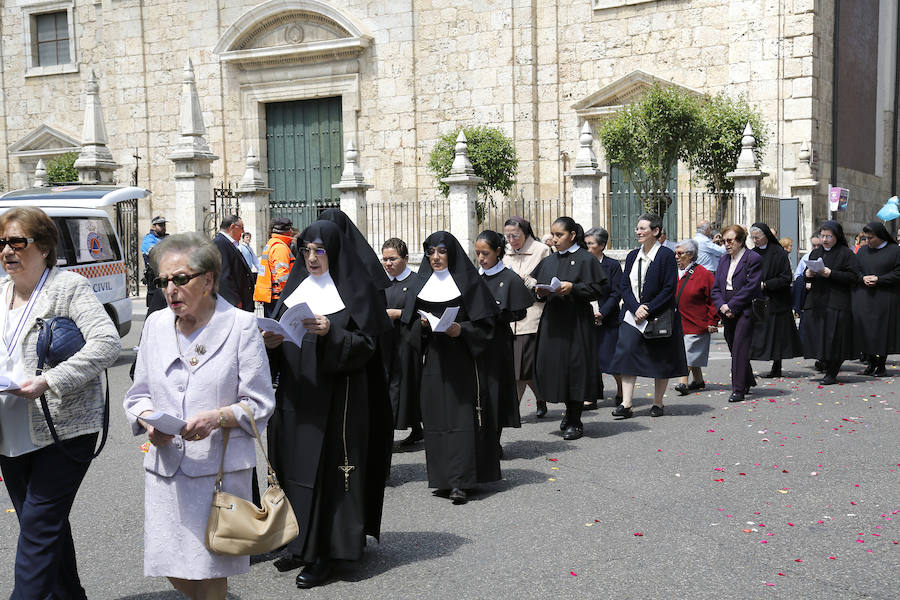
<point>199,360</point>
<point>42,478</point>
<point>459,383</point>
<point>331,433</point>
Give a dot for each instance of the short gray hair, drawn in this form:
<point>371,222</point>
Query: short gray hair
<point>689,245</point>
<point>202,254</point>
<point>600,235</point>
<point>704,227</point>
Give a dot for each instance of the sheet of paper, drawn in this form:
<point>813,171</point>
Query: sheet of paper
<point>7,384</point>
<point>291,324</point>
<point>440,324</point>
<point>165,422</point>
<point>816,266</point>
<point>629,318</point>
<point>553,286</point>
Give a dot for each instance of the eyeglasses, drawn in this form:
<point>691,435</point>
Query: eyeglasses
<point>179,280</point>
<point>318,251</point>
<point>442,250</point>
<point>15,243</point>
<point>513,236</point>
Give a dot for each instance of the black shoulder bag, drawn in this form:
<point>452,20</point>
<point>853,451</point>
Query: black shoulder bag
<point>58,340</point>
<point>662,324</point>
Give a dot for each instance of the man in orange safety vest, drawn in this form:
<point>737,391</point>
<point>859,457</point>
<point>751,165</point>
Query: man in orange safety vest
<point>276,261</point>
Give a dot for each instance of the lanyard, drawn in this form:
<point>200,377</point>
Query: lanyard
<point>11,344</point>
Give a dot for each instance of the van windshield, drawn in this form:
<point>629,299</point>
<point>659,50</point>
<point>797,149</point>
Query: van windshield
<point>85,240</point>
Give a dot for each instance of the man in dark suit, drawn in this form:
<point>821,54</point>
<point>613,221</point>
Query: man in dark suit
<point>236,280</point>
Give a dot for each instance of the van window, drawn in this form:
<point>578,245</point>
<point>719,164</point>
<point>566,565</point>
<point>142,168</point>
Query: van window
<point>86,240</point>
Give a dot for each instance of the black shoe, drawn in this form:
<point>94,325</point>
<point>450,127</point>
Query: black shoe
<point>457,496</point>
<point>573,432</point>
<point>623,412</point>
<point>541,411</point>
<point>287,563</point>
<point>617,400</point>
<point>590,405</point>
<point>829,380</point>
<point>697,385</point>
<point>681,389</point>
<point>869,370</point>
<point>656,411</point>
<point>879,372</point>
<point>736,397</point>
<point>314,575</point>
<point>772,374</point>
<point>564,424</point>
<point>415,436</point>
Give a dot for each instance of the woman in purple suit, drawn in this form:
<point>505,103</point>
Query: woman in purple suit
<point>736,285</point>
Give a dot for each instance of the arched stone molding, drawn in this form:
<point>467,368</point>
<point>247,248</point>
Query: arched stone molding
<point>293,32</point>
<point>285,50</point>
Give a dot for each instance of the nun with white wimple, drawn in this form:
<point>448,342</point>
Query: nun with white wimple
<point>330,435</point>
<point>459,390</point>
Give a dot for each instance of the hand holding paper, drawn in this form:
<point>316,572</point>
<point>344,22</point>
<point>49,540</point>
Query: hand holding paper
<point>440,325</point>
<point>552,287</point>
<point>164,422</point>
<point>816,266</point>
<point>291,324</point>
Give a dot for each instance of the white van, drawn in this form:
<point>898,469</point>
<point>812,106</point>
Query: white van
<point>88,242</point>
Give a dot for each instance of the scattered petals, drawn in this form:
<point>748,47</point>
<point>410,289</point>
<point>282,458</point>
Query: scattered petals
<point>638,534</point>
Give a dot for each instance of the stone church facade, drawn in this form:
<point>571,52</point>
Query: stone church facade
<point>300,79</point>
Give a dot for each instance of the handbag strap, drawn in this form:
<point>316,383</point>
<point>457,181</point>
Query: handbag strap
<point>686,278</point>
<point>46,410</point>
<point>272,479</point>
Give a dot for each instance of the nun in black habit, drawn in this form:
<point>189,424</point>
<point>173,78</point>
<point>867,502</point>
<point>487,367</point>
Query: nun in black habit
<point>775,334</point>
<point>367,257</point>
<point>459,388</point>
<point>566,365</point>
<point>513,300</point>
<point>330,436</point>
<point>876,301</point>
<point>827,317</point>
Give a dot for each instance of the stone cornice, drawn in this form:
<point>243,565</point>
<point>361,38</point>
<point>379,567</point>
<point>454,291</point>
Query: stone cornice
<point>318,51</point>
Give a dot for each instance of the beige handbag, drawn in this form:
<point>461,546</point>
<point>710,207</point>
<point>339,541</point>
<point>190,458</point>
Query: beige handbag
<point>236,527</point>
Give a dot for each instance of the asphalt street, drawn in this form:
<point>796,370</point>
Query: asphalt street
<point>794,493</point>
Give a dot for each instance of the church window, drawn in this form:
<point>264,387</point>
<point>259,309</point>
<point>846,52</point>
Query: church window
<point>49,32</point>
<point>51,38</point>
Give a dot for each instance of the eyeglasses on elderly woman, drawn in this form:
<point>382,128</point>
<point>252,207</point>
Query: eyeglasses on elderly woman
<point>15,243</point>
<point>319,251</point>
<point>179,280</point>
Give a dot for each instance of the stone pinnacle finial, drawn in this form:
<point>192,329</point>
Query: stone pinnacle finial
<point>804,163</point>
<point>40,174</point>
<point>252,178</point>
<point>586,159</point>
<point>352,172</point>
<point>191,144</point>
<point>461,163</point>
<point>95,163</point>
<point>747,158</point>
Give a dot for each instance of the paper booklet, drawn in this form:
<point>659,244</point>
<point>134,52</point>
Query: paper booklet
<point>440,325</point>
<point>7,384</point>
<point>552,287</point>
<point>629,318</point>
<point>291,324</point>
<point>165,422</point>
<point>816,266</point>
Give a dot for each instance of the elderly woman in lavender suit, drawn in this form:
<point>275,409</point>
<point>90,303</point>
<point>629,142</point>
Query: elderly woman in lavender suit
<point>198,360</point>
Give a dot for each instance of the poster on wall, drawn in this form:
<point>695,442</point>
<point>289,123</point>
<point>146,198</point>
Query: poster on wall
<point>838,198</point>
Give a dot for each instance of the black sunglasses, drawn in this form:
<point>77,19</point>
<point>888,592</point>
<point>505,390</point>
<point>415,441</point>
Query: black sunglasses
<point>180,279</point>
<point>16,243</point>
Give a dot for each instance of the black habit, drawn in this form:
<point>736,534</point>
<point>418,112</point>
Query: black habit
<point>459,389</point>
<point>566,363</point>
<point>776,336</point>
<point>403,387</point>
<point>513,300</point>
<point>330,434</point>
<point>876,309</point>
<point>827,318</point>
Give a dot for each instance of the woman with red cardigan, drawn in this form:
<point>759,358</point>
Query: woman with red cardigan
<point>699,317</point>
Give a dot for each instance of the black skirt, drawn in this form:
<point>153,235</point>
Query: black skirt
<point>607,338</point>
<point>660,358</point>
<point>776,338</point>
<point>524,348</point>
<point>828,334</point>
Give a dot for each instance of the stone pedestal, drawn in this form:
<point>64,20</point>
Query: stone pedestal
<point>40,174</point>
<point>586,207</point>
<point>463,184</point>
<point>192,158</point>
<point>253,199</point>
<point>353,188</point>
<point>747,178</point>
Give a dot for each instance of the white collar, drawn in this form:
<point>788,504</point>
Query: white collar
<point>403,275</point>
<point>827,249</point>
<point>739,255</point>
<point>440,287</point>
<point>883,244</point>
<point>682,272</point>
<point>571,249</point>
<point>763,247</point>
<point>650,256</point>
<point>319,292</point>
<point>493,270</point>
